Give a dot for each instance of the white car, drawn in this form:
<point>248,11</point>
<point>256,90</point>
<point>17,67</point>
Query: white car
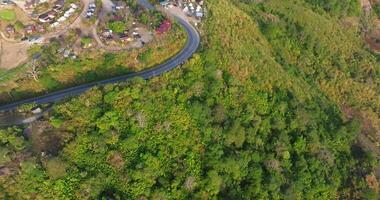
<point>74,6</point>
<point>55,24</point>
<point>61,19</point>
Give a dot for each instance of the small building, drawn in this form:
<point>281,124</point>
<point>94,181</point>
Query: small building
<point>30,4</point>
<point>71,10</point>
<point>199,14</point>
<point>40,28</point>
<point>51,14</point>
<point>10,29</point>
<point>61,19</point>
<point>66,53</point>
<point>44,18</point>
<point>123,37</point>
<point>55,24</point>
<point>107,34</point>
<point>57,7</point>
<point>30,29</point>
<point>164,3</point>
<point>36,110</point>
<point>6,2</point>
<point>165,26</point>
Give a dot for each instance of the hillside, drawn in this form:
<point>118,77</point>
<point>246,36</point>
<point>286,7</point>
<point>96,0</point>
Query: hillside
<point>280,102</point>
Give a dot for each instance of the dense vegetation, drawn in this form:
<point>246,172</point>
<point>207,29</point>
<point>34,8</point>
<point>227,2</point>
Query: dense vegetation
<point>337,7</point>
<point>376,9</point>
<point>260,112</point>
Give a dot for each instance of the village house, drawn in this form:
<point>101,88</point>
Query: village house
<point>136,35</point>
<point>44,18</point>
<point>57,7</point>
<point>51,14</point>
<point>6,2</point>
<point>10,29</point>
<point>124,37</point>
<point>118,5</point>
<point>30,29</point>
<point>40,28</point>
<point>47,17</point>
<point>165,26</point>
<point>29,4</point>
<point>107,34</point>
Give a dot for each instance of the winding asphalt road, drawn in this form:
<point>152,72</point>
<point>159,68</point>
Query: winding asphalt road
<point>191,46</point>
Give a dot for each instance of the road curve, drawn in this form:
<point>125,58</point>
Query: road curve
<point>191,46</point>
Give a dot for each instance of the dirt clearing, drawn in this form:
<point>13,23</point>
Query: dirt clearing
<point>12,54</point>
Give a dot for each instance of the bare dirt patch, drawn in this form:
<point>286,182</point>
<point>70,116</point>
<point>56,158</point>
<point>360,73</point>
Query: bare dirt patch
<point>373,40</point>
<point>12,54</point>
<point>369,135</point>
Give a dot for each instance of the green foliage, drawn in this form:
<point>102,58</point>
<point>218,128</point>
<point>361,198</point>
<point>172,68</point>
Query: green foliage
<point>376,8</point>
<point>7,14</point>
<point>144,18</point>
<point>56,122</point>
<point>19,26</point>
<point>4,155</point>
<point>145,56</point>
<point>152,18</point>
<point>12,139</point>
<point>338,7</point>
<point>55,168</point>
<point>117,26</point>
<point>86,41</point>
<point>240,120</point>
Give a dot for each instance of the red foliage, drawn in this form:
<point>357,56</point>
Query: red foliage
<point>165,26</point>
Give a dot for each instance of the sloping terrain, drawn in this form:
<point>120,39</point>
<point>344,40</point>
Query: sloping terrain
<point>260,112</point>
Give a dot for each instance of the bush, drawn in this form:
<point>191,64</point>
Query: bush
<point>7,14</point>
<point>117,26</point>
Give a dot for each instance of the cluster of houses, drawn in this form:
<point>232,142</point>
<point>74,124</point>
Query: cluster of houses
<point>192,11</point>
<point>29,4</point>
<point>29,29</point>
<point>108,36</point>
<point>67,53</point>
<point>50,16</point>
<point>66,15</point>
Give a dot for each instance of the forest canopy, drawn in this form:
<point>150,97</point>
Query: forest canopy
<point>259,112</point>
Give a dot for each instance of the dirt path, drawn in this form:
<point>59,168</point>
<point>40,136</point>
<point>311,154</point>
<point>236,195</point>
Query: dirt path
<point>7,39</point>
<point>366,5</point>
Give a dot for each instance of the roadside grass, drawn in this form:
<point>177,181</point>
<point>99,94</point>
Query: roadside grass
<point>7,14</point>
<point>7,75</point>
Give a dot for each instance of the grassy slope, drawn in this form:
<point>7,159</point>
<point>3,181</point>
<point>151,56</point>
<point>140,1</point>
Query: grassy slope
<point>233,123</point>
<point>324,52</point>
